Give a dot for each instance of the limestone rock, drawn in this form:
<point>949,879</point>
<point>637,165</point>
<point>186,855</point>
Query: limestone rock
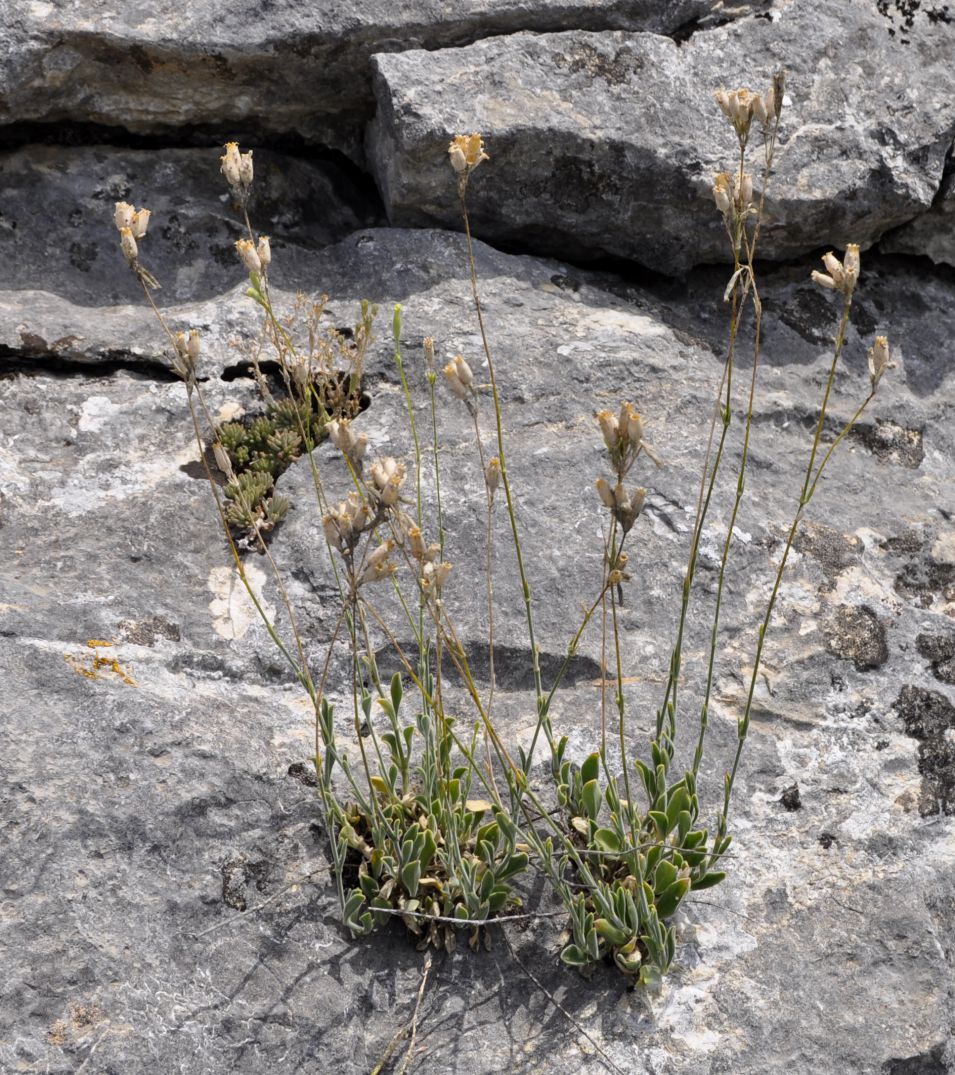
<point>931,234</point>
<point>607,143</point>
<point>248,70</point>
<point>138,819</point>
<point>56,220</point>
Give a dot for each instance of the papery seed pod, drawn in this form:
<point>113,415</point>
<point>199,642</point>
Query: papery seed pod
<point>378,475</point>
<point>851,261</point>
<point>741,103</point>
<point>331,531</point>
<point>746,190</point>
<point>427,345</point>
<point>140,223</point>
<point>723,100</point>
<point>123,215</point>
<point>232,164</point>
<point>760,111</point>
<point>194,345</point>
<point>359,447</point>
<point>376,556</point>
<point>245,169</point>
<point>377,572</point>
<point>432,553</point>
<point>878,359</point>
<point>769,104</point>
<point>492,475</point>
<point>637,500</point>
<point>416,543</point>
<point>454,383</point>
<point>633,430</point>
<point>722,193</point>
<point>458,158</point>
<point>264,250</point>
<point>606,493</point>
<point>250,259</point>
<point>609,429</point>
<point>834,268</point>
<point>441,573</point>
<point>824,281</point>
<point>466,152</point>
<point>476,152</point>
<point>390,493</point>
<point>128,245</point>
<point>463,370</point>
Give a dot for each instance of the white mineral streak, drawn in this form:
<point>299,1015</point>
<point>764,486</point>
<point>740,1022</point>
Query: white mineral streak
<point>233,611</point>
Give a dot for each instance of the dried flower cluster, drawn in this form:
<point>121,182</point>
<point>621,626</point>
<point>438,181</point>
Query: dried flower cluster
<point>843,275</point>
<point>742,106</point>
<point>733,195</point>
<point>255,257</point>
<point>238,171</point>
<point>131,224</point>
<point>459,377</point>
<point>878,359</point>
<point>624,438</point>
<point>466,152</point>
<point>186,357</point>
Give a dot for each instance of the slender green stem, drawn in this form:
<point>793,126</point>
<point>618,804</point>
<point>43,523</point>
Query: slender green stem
<point>809,483</point>
<point>505,481</point>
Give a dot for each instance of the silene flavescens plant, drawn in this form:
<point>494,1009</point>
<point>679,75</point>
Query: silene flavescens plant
<point>636,824</point>
<point>417,828</point>
<point>430,817</point>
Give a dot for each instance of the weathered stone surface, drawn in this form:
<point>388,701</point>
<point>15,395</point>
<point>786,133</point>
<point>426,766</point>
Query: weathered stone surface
<point>607,143</point>
<point>160,66</point>
<point>138,819</point>
<point>56,218</point>
<point>931,234</point>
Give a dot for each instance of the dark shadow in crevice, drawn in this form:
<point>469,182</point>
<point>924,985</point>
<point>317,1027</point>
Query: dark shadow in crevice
<point>350,181</point>
<point>31,362</point>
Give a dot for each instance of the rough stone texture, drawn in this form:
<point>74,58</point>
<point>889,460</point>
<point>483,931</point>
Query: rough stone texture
<point>190,250</point>
<point>139,820</point>
<point>931,234</point>
<point>286,67</point>
<point>607,143</point>
<point>165,901</point>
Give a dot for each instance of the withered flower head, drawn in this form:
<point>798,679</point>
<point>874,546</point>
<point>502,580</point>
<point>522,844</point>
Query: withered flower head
<point>466,152</point>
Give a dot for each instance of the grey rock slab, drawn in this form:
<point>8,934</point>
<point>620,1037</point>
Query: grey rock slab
<point>158,66</point>
<point>56,220</point>
<point>932,234</point>
<point>607,143</point>
<point>165,899</point>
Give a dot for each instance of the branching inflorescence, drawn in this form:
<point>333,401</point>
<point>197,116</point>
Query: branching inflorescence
<point>430,817</point>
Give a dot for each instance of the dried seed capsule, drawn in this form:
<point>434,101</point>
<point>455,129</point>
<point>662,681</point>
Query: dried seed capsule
<point>250,259</point>
<point>232,164</point>
<point>128,244</point>
<point>123,215</point>
<point>140,223</point>
<point>878,359</point>
<point>492,475</point>
<point>606,493</point>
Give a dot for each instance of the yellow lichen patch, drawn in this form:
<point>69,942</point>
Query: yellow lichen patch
<point>99,666</point>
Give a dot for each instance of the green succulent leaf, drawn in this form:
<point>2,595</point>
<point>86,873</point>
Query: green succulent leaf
<point>668,900</point>
<point>607,840</point>
<point>709,880</point>
<point>574,956</point>
<point>590,799</point>
<point>590,770</point>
